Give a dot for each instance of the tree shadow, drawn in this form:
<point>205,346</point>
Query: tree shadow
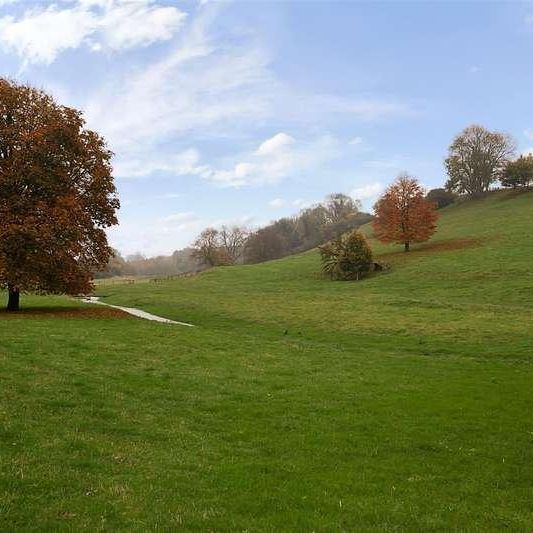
<point>89,312</point>
<point>435,247</point>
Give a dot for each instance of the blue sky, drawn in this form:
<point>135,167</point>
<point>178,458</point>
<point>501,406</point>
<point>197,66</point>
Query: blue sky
<point>243,112</point>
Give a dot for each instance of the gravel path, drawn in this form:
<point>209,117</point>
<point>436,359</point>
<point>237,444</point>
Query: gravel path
<point>135,312</point>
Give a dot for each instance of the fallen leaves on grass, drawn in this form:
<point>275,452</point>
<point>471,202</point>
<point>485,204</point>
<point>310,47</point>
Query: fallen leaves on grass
<point>67,312</point>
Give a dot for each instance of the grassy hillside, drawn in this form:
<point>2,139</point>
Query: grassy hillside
<point>399,402</point>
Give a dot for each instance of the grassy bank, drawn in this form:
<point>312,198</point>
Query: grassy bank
<point>399,402</point>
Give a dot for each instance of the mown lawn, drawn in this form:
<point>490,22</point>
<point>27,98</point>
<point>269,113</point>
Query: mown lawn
<point>402,402</point>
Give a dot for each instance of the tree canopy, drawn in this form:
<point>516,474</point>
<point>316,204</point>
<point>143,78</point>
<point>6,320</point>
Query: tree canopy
<point>57,195</point>
<point>518,173</point>
<point>476,159</point>
<point>403,215</point>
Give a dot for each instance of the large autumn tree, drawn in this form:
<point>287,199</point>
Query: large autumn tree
<point>403,215</point>
<point>56,196</point>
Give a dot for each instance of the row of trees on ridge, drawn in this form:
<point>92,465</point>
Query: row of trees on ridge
<point>479,158</point>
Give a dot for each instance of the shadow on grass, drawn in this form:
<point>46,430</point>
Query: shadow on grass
<point>511,194</point>
<point>89,312</point>
<point>435,247</point>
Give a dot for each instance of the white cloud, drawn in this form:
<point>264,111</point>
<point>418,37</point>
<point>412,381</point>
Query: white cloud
<point>40,34</point>
<point>183,163</point>
<point>355,141</point>
<point>280,141</point>
<point>278,158</point>
<point>135,23</point>
<point>180,218</point>
<point>206,88</point>
<point>301,203</point>
<point>196,88</point>
<point>367,192</point>
<point>277,203</point>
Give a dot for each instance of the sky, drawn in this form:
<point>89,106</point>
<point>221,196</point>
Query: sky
<point>243,112</point>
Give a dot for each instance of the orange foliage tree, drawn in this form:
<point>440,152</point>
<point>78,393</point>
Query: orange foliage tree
<point>57,196</point>
<point>403,215</point>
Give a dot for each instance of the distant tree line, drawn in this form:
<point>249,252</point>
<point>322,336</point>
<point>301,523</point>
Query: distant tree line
<point>229,245</point>
<point>180,262</point>
<point>224,246</point>
<point>311,227</point>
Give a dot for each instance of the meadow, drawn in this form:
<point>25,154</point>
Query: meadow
<point>398,403</point>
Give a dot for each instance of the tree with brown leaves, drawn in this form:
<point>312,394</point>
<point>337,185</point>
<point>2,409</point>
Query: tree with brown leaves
<point>403,215</point>
<point>57,196</point>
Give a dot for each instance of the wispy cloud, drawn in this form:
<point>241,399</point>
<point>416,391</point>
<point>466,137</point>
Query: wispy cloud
<point>206,88</point>
<point>277,203</point>
<point>277,158</point>
<point>41,33</point>
<point>197,87</point>
<point>367,192</point>
<point>299,203</point>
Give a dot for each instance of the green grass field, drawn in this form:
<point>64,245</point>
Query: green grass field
<point>403,402</point>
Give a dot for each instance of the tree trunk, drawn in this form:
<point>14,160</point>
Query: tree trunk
<point>406,246</point>
<point>13,303</point>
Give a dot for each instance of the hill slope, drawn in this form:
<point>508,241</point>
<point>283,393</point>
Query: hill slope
<point>399,402</point>
<point>478,265</point>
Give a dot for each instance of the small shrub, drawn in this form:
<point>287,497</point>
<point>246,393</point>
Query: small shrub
<point>348,257</point>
